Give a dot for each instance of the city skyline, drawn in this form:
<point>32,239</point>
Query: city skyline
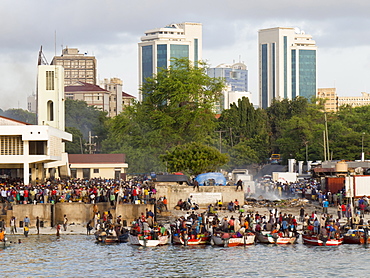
<point>230,34</point>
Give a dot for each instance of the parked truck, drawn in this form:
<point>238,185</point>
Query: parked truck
<point>284,177</point>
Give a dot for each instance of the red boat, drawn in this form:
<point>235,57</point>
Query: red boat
<point>317,240</point>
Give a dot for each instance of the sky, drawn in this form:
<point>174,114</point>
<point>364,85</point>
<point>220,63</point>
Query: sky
<point>111,29</point>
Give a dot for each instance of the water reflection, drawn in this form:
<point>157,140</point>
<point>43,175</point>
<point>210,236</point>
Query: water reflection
<point>80,256</point>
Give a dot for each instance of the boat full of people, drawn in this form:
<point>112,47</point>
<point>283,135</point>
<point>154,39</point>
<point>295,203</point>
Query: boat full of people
<point>143,235</point>
<point>276,237</point>
<point>356,236</point>
<point>194,239</point>
<point>225,239</point>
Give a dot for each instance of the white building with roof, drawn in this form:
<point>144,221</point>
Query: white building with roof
<point>36,152</point>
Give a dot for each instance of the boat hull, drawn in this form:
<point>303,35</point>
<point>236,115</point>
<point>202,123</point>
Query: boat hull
<point>269,239</point>
<point>233,241</point>
<point>162,240</point>
<point>316,241</point>
<point>192,241</point>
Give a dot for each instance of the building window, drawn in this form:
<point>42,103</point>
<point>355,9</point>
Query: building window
<point>179,51</point>
<point>307,73</point>
<point>11,145</point>
<point>37,147</point>
<point>49,80</point>
<point>147,62</point>
<point>264,76</point>
<point>50,111</point>
<point>162,56</point>
<point>196,52</point>
<point>96,171</point>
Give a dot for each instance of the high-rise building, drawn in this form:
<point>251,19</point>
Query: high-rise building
<point>330,98</point>
<point>158,46</point>
<point>287,64</point>
<point>77,67</point>
<point>236,81</point>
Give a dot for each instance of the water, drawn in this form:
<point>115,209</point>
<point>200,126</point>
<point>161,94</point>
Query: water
<point>80,256</point>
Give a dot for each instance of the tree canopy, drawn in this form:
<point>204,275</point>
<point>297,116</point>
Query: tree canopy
<point>176,109</point>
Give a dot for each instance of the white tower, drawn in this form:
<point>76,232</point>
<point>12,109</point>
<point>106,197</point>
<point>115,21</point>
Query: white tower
<point>50,96</point>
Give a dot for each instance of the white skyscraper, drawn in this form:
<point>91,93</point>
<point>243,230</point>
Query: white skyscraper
<point>158,46</point>
<point>287,64</point>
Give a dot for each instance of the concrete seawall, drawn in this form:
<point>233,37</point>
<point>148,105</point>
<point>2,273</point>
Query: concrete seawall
<point>204,196</point>
<point>79,213</point>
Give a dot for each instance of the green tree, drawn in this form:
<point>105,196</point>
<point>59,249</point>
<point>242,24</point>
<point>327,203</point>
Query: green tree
<point>176,109</point>
<point>194,158</point>
<point>77,146</point>
<point>86,118</point>
<point>20,115</point>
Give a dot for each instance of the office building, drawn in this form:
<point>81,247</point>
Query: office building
<point>329,98</point>
<point>77,67</point>
<point>287,65</point>
<point>158,46</point>
<point>236,81</point>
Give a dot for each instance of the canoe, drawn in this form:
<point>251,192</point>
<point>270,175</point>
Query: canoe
<point>275,239</point>
<point>319,241</point>
<point>230,239</point>
<point>143,241</point>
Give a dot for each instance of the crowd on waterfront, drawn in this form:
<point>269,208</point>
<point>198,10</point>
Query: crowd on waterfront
<point>78,190</point>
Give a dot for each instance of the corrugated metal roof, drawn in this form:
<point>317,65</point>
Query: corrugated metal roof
<point>97,158</point>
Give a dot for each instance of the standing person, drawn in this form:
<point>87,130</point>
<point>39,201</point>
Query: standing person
<point>58,230</point>
<point>65,222</point>
<point>301,214</point>
<point>239,184</point>
<point>26,230</point>
<point>26,222</point>
<point>38,225</point>
<point>165,202</point>
<point>339,211</point>
<point>13,226</point>
<point>196,185</point>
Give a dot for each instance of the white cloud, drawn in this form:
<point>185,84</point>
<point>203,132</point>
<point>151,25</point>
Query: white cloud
<point>111,30</point>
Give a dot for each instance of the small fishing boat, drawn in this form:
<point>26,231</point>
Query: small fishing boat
<point>356,236</point>
<point>147,241</point>
<point>103,237</point>
<point>276,238</point>
<point>200,239</point>
<point>318,240</point>
<point>232,239</point>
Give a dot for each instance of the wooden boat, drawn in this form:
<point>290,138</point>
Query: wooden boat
<point>276,238</point>
<point>103,237</point>
<point>232,239</point>
<point>201,239</point>
<point>355,236</point>
<point>317,240</point>
<point>144,241</point>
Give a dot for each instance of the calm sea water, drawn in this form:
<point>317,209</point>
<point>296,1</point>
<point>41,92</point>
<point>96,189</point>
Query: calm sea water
<point>80,256</point>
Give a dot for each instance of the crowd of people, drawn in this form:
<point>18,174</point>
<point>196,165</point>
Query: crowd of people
<point>78,190</point>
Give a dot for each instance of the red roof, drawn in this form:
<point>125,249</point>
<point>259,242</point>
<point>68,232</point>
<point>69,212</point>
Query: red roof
<point>127,95</point>
<point>97,158</point>
<point>10,119</point>
<point>84,87</point>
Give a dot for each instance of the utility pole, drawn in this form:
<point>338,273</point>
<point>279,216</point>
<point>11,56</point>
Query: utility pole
<point>90,144</point>
<point>220,132</point>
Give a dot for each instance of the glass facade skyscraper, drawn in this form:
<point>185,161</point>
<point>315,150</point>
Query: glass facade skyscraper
<point>159,46</point>
<point>287,65</point>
